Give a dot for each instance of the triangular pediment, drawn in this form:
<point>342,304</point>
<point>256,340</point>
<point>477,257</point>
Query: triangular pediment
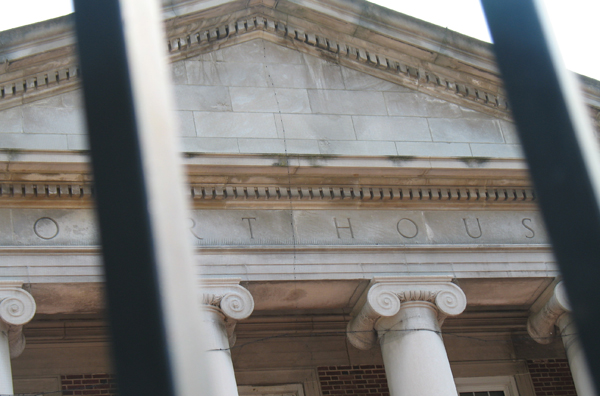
<point>357,36</point>
<point>262,97</point>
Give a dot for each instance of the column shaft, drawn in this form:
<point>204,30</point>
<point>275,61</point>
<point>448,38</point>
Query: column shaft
<point>579,368</point>
<point>6,385</point>
<point>414,355</point>
<point>218,355</point>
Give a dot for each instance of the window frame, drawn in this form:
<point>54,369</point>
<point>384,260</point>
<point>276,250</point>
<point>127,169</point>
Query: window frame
<point>507,384</point>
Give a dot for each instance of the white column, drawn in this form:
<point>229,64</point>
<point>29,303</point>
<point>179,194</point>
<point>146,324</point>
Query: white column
<point>405,314</point>
<point>6,386</point>
<point>541,327</point>
<point>224,302</point>
<point>17,308</point>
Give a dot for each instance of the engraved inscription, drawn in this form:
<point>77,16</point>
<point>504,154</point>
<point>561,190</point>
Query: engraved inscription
<point>274,227</point>
<point>407,228</point>
<point>45,228</point>
<point>473,235</point>
<point>193,225</point>
<point>528,227</point>
<point>339,227</point>
<point>250,225</point>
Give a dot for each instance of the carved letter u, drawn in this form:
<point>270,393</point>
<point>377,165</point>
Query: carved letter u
<point>469,232</point>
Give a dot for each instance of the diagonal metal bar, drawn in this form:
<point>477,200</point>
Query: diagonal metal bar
<point>561,152</point>
<point>150,280</point>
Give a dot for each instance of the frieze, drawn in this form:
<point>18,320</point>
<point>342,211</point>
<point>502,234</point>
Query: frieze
<point>76,227</point>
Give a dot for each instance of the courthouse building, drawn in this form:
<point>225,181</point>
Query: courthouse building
<point>363,218</point>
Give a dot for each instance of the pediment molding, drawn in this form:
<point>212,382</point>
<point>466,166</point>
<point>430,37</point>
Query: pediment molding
<point>386,63</point>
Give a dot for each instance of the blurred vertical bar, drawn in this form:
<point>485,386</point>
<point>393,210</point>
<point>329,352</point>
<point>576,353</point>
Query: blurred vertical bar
<point>150,279</point>
<point>561,152</point>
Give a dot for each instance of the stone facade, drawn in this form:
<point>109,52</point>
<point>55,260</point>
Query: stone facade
<point>349,169</point>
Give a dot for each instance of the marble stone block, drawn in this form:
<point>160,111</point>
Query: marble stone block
<point>391,128</point>
<point>201,73</point>
<point>419,105</point>
<point>78,142</point>
<point>33,141</point>
<point>310,126</point>
<point>497,150</point>
<point>367,148</point>
<point>55,120</point>
<point>359,81</point>
<point>269,100</point>
<point>11,120</point>
<point>242,74</point>
<point>433,149</point>
<point>178,73</point>
<point>190,97</point>
<point>346,102</point>
<point>463,130</point>
<point>208,145</point>
<point>185,125</point>
<point>250,125</point>
<point>323,76</point>
<point>509,131</point>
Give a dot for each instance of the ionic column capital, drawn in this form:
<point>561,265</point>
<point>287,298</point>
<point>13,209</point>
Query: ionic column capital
<point>232,300</point>
<point>385,296</point>
<point>541,325</point>
<point>17,308</point>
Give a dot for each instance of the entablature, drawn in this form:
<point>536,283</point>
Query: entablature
<point>54,180</point>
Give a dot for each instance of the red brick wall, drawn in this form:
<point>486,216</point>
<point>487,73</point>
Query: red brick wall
<point>88,384</point>
<point>353,380</point>
<point>551,377</point>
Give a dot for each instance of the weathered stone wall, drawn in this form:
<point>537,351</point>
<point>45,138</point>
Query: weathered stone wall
<point>259,97</point>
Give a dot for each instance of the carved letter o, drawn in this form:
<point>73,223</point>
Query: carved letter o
<point>407,230</point>
<point>45,228</point>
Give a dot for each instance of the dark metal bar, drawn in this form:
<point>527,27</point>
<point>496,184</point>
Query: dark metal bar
<point>147,266</point>
<point>561,152</point>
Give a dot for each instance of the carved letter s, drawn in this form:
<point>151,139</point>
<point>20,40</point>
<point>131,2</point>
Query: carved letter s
<point>529,228</point>
<point>192,229</point>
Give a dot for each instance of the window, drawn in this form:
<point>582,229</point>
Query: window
<point>487,386</point>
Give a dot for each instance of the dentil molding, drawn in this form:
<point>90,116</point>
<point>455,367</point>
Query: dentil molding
<point>386,295</point>
<point>250,192</point>
<point>17,308</point>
